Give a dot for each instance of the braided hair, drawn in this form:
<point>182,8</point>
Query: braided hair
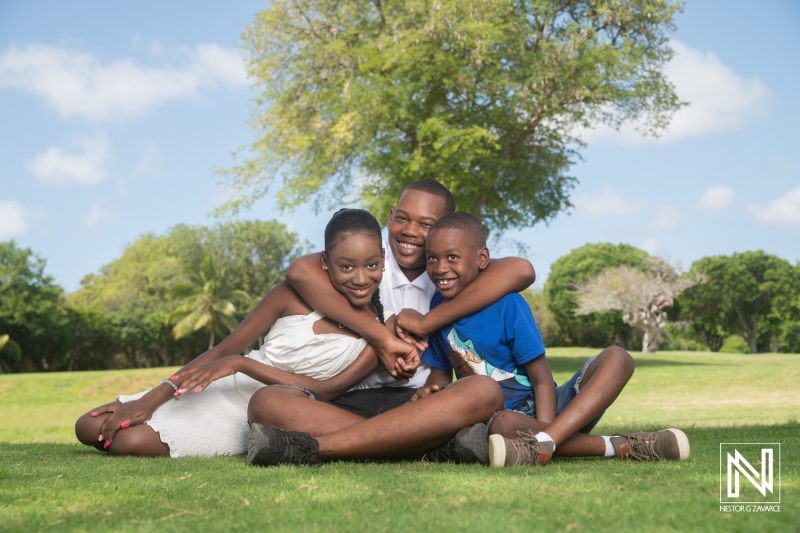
<point>346,222</point>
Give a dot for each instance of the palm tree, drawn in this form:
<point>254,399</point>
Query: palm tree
<point>207,303</point>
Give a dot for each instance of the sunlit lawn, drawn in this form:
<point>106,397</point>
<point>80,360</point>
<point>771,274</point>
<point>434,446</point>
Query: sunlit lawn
<point>48,482</point>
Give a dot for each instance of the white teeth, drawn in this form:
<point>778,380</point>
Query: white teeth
<point>408,246</point>
<point>445,282</point>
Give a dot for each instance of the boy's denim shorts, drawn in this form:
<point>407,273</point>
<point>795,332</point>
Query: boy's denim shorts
<point>565,393</point>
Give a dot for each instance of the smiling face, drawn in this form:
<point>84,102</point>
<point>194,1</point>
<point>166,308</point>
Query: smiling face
<point>453,260</point>
<point>355,266</point>
<point>408,228</point>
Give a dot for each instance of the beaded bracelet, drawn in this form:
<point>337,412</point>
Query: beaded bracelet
<point>170,383</point>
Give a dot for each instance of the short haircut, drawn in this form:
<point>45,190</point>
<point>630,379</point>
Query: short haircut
<point>469,224</point>
<point>435,188</point>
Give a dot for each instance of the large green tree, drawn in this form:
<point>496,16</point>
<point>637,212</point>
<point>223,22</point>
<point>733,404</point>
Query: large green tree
<point>577,268</point>
<point>362,97</point>
<point>32,312</point>
<point>132,293</point>
<point>750,294</point>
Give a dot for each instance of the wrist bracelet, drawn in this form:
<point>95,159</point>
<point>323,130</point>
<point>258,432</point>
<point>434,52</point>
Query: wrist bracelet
<point>170,383</point>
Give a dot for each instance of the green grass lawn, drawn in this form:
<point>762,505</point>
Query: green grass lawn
<point>49,483</point>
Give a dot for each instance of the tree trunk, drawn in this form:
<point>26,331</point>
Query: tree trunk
<point>211,340</point>
<point>774,344</point>
<point>646,341</point>
<point>71,360</point>
<point>751,340</point>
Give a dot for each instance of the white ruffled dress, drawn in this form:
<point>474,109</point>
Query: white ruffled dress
<point>214,422</point>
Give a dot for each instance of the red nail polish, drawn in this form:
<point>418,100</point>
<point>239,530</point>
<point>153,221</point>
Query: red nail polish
<point>93,413</point>
<point>197,390</point>
<point>124,425</point>
<point>175,393</point>
<point>174,377</point>
<point>106,445</point>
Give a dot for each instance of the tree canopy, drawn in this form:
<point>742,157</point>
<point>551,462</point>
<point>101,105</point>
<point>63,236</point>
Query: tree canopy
<point>750,294</point>
<point>642,295</point>
<point>359,98</point>
<point>31,311</point>
<point>135,294</point>
<point>578,267</point>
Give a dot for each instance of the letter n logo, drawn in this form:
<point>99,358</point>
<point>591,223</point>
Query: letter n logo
<point>755,463</point>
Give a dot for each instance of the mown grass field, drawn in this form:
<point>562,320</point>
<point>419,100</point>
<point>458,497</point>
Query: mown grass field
<point>48,483</point>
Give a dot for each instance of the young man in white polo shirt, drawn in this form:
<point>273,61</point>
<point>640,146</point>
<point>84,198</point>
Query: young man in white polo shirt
<point>405,285</point>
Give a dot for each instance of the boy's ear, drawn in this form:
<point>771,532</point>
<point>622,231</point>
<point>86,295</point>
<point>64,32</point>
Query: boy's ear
<point>391,216</point>
<point>483,258</point>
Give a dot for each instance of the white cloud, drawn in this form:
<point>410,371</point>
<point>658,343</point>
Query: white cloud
<point>719,99</point>
<point>84,162</point>
<point>609,202</point>
<point>13,221</point>
<point>717,198</point>
<point>96,214</point>
<point>782,211</point>
<point>667,218</point>
<point>79,84</point>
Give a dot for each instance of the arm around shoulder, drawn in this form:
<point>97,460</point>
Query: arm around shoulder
<point>501,277</point>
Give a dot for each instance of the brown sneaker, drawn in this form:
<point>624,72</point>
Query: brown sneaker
<point>669,444</point>
<point>524,450</point>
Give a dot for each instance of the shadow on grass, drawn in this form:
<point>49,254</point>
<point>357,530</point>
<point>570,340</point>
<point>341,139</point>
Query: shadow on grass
<point>560,363</point>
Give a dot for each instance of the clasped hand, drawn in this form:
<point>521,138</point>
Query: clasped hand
<point>410,326</point>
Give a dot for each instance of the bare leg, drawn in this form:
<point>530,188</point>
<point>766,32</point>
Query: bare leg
<point>417,426</point>
<point>507,423</point>
<point>604,379</point>
<point>87,429</point>
<point>293,410</point>
<point>602,382</point>
<point>139,440</point>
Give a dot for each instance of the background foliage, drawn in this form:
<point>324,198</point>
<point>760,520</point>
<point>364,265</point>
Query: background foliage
<point>361,98</point>
<point>117,319</point>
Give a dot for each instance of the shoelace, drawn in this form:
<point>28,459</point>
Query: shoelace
<point>637,442</point>
<point>528,448</point>
<point>297,450</point>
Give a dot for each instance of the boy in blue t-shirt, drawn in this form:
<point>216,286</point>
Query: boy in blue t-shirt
<point>503,343</point>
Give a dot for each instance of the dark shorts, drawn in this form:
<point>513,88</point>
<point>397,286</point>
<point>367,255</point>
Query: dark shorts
<point>365,402</point>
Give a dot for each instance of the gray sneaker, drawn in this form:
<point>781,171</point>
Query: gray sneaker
<point>470,445</point>
<point>524,450</point>
<point>642,446</point>
<point>269,446</point>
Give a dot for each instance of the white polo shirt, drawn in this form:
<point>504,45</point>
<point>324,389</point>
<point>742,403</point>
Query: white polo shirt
<point>398,293</point>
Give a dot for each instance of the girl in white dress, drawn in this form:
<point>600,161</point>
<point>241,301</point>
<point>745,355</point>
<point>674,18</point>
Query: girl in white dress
<point>202,409</point>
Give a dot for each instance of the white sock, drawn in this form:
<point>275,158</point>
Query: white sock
<point>609,447</point>
<point>544,437</point>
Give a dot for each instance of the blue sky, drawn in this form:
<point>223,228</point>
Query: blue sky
<point>113,117</point>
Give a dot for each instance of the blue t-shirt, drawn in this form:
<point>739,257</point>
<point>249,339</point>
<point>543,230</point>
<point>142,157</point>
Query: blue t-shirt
<point>496,342</point>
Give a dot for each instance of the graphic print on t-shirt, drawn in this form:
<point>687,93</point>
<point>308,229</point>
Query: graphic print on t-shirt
<point>483,368</point>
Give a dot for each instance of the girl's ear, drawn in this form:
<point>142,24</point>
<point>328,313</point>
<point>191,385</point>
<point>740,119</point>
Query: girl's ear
<point>323,261</point>
<point>483,258</point>
<point>383,259</point>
